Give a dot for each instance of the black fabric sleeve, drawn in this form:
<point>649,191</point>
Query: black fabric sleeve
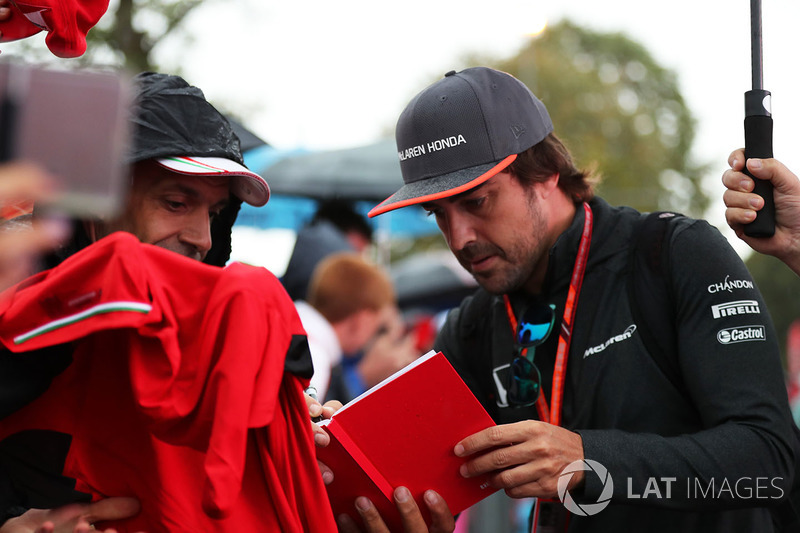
<point>298,358</point>
<point>24,377</point>
<point>742,456</point>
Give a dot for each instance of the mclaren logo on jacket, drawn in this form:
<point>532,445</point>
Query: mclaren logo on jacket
<point>625,335</point>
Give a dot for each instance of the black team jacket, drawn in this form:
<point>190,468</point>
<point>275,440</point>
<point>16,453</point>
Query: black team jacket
<point>712,452</point>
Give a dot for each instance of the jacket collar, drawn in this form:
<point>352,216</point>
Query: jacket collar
<point>564,251</point>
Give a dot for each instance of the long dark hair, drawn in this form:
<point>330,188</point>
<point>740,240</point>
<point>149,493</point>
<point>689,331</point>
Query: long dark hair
<point>549,157</point>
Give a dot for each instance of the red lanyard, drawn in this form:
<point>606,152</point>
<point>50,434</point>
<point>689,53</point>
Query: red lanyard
<point>567,321</point>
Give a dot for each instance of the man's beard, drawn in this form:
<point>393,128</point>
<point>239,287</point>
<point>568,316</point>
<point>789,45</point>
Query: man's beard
<point>518,261</point>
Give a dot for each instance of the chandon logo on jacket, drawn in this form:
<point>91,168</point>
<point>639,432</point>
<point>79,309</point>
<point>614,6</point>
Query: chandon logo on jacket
<point>627,334</point>
<point>729,285</point>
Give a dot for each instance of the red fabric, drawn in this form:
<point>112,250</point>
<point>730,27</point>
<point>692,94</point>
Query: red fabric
<point>66,21</point>
<point>17,26</point>
<point>186,406</point>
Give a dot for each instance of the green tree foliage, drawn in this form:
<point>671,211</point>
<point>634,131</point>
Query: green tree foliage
<point>131,29</point>
<point>126,36</point>
<point>619,112</point>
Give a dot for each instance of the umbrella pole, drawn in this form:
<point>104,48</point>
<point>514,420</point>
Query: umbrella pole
<point>758,129</point>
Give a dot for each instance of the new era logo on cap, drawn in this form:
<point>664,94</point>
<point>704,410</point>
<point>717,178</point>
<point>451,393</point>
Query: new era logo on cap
<point>462,130</point>
<point>517,131</point>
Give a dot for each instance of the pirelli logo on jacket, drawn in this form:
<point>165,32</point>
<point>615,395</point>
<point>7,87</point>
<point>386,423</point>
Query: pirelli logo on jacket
<point>740,307</point>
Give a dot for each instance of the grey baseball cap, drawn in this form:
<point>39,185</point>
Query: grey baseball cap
<point>461,131</point>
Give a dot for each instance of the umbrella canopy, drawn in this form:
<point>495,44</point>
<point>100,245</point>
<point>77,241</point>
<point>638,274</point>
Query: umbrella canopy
<point>293,212</point>
<point>298,179</point>
<point>370,172</point>
<point>431,280</point>
<point>247,139</point>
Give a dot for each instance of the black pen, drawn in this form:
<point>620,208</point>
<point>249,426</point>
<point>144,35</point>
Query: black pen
<point>311,391</point>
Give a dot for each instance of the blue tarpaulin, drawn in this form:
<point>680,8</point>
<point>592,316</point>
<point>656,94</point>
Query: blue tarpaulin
<point>294,211</point>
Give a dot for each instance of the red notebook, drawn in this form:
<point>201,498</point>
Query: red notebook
<point>402,432</point>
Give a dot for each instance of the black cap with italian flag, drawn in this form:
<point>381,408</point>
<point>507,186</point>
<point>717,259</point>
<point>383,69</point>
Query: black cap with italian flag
<point>175,125</point>
<point>246,185</point>
<point>461,131</point>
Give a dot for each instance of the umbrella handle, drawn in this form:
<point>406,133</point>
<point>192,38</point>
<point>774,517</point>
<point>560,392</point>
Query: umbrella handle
<point>758,144</point>
<point>758,130</point>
